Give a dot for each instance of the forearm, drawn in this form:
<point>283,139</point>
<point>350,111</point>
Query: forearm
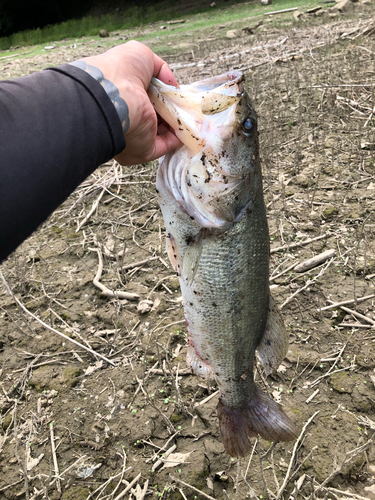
<point>56,127</point>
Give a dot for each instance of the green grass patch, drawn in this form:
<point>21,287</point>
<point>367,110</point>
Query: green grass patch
<point>139,17</point>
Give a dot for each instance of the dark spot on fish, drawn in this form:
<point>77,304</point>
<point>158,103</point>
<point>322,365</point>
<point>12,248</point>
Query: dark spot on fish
<point>214,304</point>
<point>189,239</point>
<point>238,251</point>
<point>207,180</point>
<point>156,190</point>
<point>180,128</point>
<point>179,121</point>
<point>191,217</point>
<point>268,342</point>
<point>189,183</point>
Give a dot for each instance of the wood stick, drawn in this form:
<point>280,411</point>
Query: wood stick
<point>346,493</point>
<point>286,480</point>
<point>310,398</point>
<point>346,302</point>
<point>191,487</point>
<point>50,327</point>
<point>354,325</point>
<point>251,457</point>
<point>140,263</point>
<point>106,291</point>
<point>130,485</point>
<point>280,11</point>
<point>93,208</point>
<point>357,314</point>
<point>55,463</point>
<point>272,278</point>
<point>309,282</point>
<point>204,401</point>
<point>299,244</point>
<point>166,455</point>
<point>11,55</point>
<point>182,493</point>
<point>314,261</point>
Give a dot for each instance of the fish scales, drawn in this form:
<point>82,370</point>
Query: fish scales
<point>211,195</point>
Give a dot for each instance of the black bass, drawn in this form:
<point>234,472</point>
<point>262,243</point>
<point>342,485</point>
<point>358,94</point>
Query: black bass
<point>210,192</point>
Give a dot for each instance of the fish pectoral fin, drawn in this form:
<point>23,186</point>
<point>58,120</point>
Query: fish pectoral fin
<point>191,257</point>
<point>197,364</point>
<point>273,346</point>
<point>172,252</point>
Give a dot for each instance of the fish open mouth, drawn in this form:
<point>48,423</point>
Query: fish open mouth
<point>201,113</point>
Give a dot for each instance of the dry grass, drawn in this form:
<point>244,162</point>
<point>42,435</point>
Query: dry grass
<point>119,431</point>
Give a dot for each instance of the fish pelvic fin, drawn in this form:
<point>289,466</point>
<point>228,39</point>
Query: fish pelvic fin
<point>274,344</point>
<point>261,416</point>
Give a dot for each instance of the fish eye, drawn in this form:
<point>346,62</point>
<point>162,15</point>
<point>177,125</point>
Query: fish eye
<point>247,125</point>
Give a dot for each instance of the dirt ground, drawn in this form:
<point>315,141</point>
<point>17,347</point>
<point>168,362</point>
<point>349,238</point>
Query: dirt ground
<point>138,424</point>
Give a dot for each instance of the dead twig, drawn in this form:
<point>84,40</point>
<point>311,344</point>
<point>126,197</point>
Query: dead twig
<point>105,290</point>
<point>93,208</point>
<point>292,460</point>
<point>54,457</point>
<point>357,314</point>
<point>300,243</point>
<point>204,495</point>
<point>346,302</point>
<point>50,327</point>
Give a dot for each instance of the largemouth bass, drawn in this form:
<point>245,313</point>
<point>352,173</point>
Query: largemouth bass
<point>210,192</point>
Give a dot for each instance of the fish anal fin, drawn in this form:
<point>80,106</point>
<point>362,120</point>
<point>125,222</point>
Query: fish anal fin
<point>173,254</point>
<point>273,346</point>
<point>197,364</point>
<point>261,416</point>
<point>191,257</point>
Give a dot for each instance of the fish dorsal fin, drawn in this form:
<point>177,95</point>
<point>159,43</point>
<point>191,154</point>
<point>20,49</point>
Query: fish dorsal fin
<point>273,346</point>
<point>191,257</point>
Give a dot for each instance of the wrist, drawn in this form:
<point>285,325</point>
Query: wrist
<point>111,90</point>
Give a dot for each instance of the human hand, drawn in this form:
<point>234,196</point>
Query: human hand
<point>129,68</point>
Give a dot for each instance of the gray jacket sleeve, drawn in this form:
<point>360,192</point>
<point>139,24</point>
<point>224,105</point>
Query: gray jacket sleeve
<point>56,127</point>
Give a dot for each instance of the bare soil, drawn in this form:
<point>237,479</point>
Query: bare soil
<point>103,423</point>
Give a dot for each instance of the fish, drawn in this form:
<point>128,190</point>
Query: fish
<point>211,196</point>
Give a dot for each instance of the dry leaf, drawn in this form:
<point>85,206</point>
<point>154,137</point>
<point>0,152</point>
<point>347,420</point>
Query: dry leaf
<point>210,483</point>
<point>94,367</point>
<point>282,369</point>
<point>276,396</point>
<point>144,306</point>
<point>33,462</point>
<point>175,459</point>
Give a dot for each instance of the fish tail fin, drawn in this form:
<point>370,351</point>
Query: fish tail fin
<point>261,416</point>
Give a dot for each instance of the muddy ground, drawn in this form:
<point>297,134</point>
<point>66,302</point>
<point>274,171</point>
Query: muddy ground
<point>104,423</point>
